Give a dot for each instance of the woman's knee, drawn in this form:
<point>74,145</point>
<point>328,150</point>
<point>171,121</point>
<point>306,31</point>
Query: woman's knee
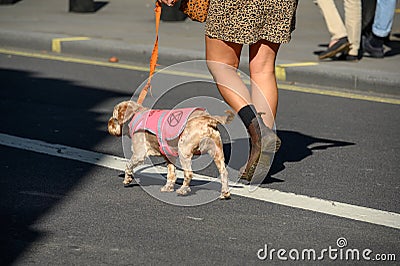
<point>219,52</point>
<point>263,56</point>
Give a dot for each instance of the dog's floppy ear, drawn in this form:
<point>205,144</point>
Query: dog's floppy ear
<point>125,110</point>
<point>114,128</point>
<point>122,113</point>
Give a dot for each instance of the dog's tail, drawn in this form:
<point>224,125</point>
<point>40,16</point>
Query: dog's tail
<point>226,119</point>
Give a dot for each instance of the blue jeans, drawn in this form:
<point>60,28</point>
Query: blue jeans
<point>383,20</point>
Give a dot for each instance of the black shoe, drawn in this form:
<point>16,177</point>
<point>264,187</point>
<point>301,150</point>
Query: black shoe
<point>348,58</point>
<point>373,51</point>
<point>351,58</point>
<point>342,45</point>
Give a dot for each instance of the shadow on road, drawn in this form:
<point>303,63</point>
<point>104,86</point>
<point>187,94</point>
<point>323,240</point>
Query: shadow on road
<point>296,147</point>
<point>32,184</point>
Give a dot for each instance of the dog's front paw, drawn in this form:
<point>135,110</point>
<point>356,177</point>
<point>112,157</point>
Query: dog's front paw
<point>169,187</point>
<point>225,196</point>
<point>127,180</point>
<point>183,190</point>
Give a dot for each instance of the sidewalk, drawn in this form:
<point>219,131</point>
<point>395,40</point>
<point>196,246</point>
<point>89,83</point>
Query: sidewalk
<point>125,29</point>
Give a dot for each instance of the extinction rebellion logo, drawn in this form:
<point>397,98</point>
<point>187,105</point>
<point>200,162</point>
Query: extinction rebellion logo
<point>174,118</point>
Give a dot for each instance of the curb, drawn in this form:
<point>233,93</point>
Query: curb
<point>337,76</point>
<point>94,47</point>
<point>345,78</point>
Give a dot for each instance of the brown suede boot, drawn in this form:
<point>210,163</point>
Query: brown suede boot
<point>263,143</point>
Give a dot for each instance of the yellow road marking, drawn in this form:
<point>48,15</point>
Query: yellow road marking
<point>100,63</point>
<point>280,73</point>
<point>341,94</point>
<point>72,60</point>
<point>348,95</point>
<point>280,70</point>
<point>299,64</point>
<point>56,43</point>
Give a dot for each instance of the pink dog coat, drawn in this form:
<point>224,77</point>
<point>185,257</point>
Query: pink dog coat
<point>165,124</point>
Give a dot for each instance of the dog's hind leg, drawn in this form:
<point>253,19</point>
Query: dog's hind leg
<point>217,153</point>
<point>171,178</point>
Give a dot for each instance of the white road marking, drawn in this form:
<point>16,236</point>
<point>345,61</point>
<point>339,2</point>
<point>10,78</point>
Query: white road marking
<point>339,209</point>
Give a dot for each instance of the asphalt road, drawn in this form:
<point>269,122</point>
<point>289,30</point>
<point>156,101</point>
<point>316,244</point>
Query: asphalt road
<point>60,211</point>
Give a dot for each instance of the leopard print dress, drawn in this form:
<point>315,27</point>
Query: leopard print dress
<point>248,21</point>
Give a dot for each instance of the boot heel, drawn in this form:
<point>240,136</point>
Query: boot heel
<point>264,143</point>
<point>270,142</point>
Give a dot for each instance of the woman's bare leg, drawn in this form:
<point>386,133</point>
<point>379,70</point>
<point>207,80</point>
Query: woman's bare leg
<point>264,93</point>
<point>223,60</point>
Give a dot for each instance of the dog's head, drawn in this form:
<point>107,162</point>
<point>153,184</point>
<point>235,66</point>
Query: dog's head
<point>122,113</point>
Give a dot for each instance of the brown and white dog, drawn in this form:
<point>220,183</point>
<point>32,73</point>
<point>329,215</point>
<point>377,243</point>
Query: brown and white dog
<point>198,134</point>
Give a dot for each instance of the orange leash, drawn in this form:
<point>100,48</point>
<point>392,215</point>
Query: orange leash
<point>154,56</point>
